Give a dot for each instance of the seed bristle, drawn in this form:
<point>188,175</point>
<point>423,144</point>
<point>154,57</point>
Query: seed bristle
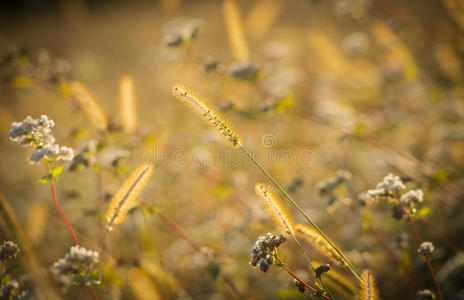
<point>275,208</point>
<point>209,114</point>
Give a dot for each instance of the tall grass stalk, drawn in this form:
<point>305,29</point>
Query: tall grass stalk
<point>289,198</point>
<point>218,122</point>
<point>283,220</point>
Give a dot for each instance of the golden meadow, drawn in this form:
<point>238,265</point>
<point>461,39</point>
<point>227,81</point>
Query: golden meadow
<point>232,149</point>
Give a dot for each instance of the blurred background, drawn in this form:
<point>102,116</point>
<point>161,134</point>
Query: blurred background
<point>315,88</point>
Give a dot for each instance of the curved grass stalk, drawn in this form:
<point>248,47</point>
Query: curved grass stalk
<point>285,222</point>
<point>289,198</point>
<point>215,119</point>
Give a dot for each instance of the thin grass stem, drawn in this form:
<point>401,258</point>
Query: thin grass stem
<point>350,266</point>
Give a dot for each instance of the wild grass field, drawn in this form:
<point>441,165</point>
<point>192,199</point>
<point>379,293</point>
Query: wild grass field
<point>232,149</point>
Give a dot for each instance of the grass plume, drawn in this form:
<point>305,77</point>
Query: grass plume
<point>128,104</point>
<point>313,237</point>
<point>275,208</point>
<point>142,286</point>
<point>209,114</point>
<point>235,31</point>
<point>368,286</point>
<point>89,105</point>
<point>127,194</point>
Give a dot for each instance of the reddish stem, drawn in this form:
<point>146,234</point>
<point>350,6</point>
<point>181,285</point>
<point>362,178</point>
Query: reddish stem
<point>60,210</point>
<point>66,221</point>
<point>302,282</point>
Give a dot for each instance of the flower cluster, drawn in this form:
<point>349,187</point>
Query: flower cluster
<point>425,295</point>
<point>8,250</point>
<point>181,32</point>
<point>390,185</point>
<point>264,250</point>
<point>412,197</point>
<point>327,188</point>
<point>33,132</point>
<point>9,289</point>
<point>22,65</point>
<point>38,133</point>
<point>79,266</point>
<point>392,188</point>
<point>426,249</point>
<point>244,70</point>
<point>85,157</point>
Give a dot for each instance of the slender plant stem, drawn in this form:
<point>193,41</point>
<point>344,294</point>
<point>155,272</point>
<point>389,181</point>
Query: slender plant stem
<point>350,266</point>
<point>419,241</point>
<point>302,282</point>
<point>65,219</point>
<point>308,260</point>
<point>58,206</point>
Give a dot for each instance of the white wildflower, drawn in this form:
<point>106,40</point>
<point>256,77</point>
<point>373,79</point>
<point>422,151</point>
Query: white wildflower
<point>52,152</point>
<point>391,184</point>
<point>32,131</point>
<point>412,197</point>
<point>75,266</point>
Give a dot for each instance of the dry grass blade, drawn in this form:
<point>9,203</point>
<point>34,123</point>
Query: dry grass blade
<point>128,105</point>
<point>262,16</point>
<point>209,114</point>
<point>235,31</point>
<point>127,194</point>
<point>368,286</point>
<point>89,105</point>
<point>142,286</point>
<point>313,237</point>
<point>275,208</point>
<point>10,225</point>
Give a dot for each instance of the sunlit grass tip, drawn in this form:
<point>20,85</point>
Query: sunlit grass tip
<point>235,30</point>
<point>275,208</point>
<point>125,197</point>
<point>128,104</point>
<point>206,110</point>
<point>368,286</point>
<point>313,237</point>
<point>89,105</point>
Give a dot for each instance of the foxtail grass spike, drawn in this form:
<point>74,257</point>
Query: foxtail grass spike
<point>313,237</point>
<point>368,286</point>
<point>209,114</point>
<point>89,105</point>
<point>275,208</point>
<point>128,105</point>
<point>124,199</point>
<point>235,30</point>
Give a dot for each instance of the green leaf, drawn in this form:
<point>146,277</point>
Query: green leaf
<point>150,210</point>
<point>45,178</point>
<point>57,171</point>
<point>284,103</point>
<point>10,270</point>
<point>424,211</point>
